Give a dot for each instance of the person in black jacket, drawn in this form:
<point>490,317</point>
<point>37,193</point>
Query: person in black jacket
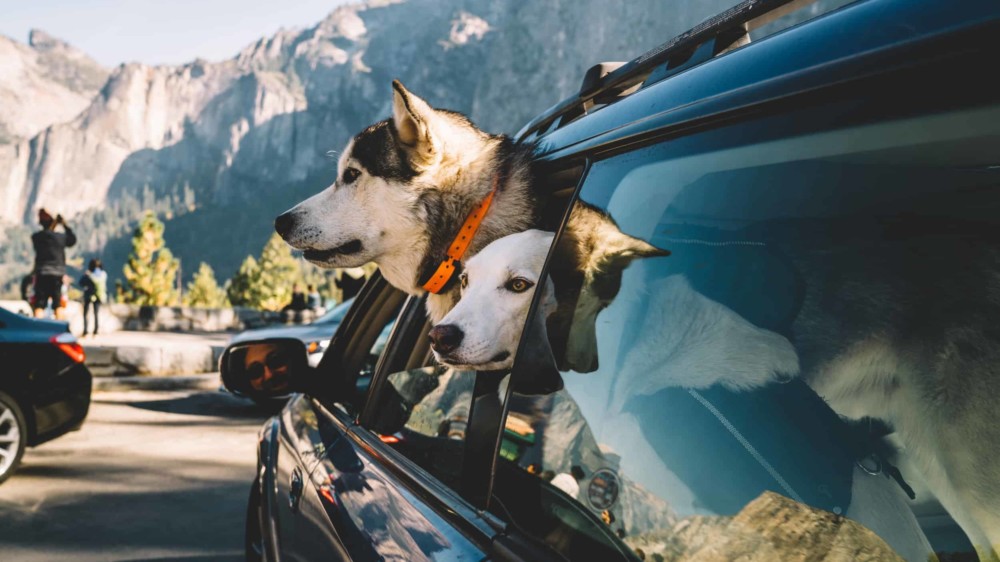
<point>50,261</point>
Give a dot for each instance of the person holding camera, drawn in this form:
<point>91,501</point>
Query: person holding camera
<point>50,262</point>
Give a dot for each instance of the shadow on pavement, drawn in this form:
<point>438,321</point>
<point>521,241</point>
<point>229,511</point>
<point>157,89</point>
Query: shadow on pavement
<point>217,558</point>
<point>190,515</point>
<point>213,403</point>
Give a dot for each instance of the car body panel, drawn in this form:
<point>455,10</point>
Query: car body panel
<point>865,38</point>
<point>54,391</point>
<point>326,497</point>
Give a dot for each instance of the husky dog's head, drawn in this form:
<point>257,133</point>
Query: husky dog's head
<point>482,331</point>
<point>587,269</point>
<point>380,206</point>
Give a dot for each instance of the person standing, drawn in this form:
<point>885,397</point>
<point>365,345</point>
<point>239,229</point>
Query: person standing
<point>313,298</point>
<point>50,261</point>
<point>292,311</point>
<point>95,291</point>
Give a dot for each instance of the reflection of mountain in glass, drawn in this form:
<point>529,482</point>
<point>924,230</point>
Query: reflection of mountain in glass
<point>772,527</point>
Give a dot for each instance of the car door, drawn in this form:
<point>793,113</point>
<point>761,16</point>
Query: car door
<point>297,525</point>
<point>340,494</point>
<point>753,387</point>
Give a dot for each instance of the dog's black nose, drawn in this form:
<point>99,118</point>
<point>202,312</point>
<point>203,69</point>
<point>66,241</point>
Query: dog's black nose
<point>445,338</point>
<point>284,223</point>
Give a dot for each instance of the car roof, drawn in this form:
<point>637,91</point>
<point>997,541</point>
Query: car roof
<point>852,40</point>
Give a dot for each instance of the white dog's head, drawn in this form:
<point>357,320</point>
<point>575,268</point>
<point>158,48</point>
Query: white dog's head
<point>380,206</point>
<point>483,330</point>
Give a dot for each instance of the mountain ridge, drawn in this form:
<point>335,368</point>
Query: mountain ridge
<point>249,136</point>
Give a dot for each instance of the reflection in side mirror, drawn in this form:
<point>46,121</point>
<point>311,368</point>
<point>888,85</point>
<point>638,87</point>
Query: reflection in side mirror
<point>265,369</point>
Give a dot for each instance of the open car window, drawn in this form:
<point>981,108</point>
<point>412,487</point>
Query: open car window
<point>419,408</point>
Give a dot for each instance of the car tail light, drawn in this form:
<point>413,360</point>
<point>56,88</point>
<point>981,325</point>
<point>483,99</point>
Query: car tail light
<point>67,344</point>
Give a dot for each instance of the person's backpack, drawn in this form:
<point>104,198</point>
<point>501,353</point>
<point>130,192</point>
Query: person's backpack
<point>99,281</point>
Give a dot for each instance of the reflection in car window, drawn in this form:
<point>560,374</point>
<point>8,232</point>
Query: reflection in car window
<point>337,314</point>
<point>764,389</point>
<point>423,413</point>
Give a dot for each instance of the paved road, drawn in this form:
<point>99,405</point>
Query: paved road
<point>150,476</point>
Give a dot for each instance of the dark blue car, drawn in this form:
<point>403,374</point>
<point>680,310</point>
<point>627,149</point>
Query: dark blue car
<point>44,385</point>
<point>834,182</point>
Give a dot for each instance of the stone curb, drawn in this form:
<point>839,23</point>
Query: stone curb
<point>206,381</point>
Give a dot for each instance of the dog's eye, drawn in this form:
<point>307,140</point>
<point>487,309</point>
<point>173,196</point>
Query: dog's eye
<point>518,285</point>
<point>464,279</point>
<point>351,174</point>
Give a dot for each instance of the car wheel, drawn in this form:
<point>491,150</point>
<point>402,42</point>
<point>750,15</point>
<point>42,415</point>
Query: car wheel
<point>13,432</point>
<point>253,541</point>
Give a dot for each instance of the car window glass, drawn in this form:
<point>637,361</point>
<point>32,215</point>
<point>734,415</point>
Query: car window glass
<point>774,367</point>
<point>345,373</point>
<point>422,412</point>
<point>336,315</point>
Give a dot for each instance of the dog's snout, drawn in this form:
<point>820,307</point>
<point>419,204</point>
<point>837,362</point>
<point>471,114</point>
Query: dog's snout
<point>284,223</point>
<point>445,338</point>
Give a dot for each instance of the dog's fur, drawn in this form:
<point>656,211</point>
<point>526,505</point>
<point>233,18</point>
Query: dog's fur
<point>405,185</point>
<point>497,288</point>
<point>593,254</point>
<point>933,378</point>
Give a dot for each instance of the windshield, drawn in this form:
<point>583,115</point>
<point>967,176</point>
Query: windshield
<point>336,316</point>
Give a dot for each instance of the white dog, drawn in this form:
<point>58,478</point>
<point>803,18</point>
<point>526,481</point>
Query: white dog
<point>482,331</point>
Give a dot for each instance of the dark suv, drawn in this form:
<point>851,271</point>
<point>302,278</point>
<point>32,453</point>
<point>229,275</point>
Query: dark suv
<point>792,382</point>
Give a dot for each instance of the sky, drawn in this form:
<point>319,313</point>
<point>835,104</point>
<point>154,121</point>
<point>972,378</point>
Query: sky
<point>158,31</point>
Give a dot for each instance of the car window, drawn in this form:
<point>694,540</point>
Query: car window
<point>336,315</point>
<point>764,387</point>
<point>348,365</point>
<point>422,408</point>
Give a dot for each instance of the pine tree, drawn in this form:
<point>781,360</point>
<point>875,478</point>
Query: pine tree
<point>279,270</point>
<point>243,287</point>
<point>151,271</point>
<point>204,290</point>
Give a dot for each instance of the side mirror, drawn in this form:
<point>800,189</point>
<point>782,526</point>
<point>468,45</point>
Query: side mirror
<point>270,368</point>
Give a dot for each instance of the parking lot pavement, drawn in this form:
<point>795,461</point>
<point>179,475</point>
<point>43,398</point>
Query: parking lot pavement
<point>150,476</point>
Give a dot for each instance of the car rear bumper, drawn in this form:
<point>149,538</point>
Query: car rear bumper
<point>64,405</point>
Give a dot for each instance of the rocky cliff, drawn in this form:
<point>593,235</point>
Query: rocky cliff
<point>43,83</point>
<point>239,140</point>
<point>772,527</point>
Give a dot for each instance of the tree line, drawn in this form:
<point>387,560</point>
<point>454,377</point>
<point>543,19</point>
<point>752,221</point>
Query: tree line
<point>151,275</point>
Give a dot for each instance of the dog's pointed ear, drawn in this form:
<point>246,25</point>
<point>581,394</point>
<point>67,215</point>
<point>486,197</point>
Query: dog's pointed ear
<point>412,117</point>
<point>538,372</point>
<point>616,250</point>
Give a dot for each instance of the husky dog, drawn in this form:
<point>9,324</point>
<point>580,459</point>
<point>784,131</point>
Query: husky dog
<point>404,187</point>
<point>483,333</point>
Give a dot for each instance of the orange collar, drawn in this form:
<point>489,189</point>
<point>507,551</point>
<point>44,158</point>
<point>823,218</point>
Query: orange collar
<point>446,270</point>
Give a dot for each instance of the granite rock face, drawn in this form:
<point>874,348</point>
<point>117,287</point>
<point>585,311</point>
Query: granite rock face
<point>772,527</point>
<point>42,83</point>
<point>258,127</point>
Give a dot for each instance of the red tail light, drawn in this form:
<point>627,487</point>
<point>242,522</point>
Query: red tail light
<point>67,344</point>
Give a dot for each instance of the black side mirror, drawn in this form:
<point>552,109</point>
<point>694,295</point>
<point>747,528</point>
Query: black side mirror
<point>270,368</point>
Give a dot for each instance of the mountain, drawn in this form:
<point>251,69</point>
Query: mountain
<point>43,83</point>
<point>220,148</point>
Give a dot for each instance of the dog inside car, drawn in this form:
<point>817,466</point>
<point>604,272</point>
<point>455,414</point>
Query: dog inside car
<point>693,342</point>
<point>483,329</point>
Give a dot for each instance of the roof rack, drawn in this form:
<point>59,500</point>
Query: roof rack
<point>606,82</point>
